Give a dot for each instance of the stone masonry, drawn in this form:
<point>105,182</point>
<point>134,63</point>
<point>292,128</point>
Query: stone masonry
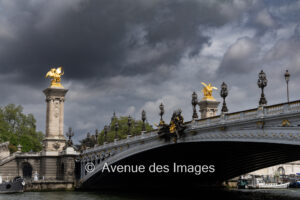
<point>54,140</point>
<point>208,108</point>
<point>4,151</point>
<point>55,164</point>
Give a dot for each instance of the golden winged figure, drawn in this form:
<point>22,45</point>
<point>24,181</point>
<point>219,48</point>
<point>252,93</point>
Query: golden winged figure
<point>207,91</point>
<point>55,75</point>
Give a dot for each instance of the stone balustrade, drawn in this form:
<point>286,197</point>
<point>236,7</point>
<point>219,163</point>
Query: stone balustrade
<point>238,126</point>
<point>230,117</point>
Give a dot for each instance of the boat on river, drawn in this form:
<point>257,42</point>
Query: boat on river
<point>17,185</point>
<point>295,184</point>
<point>259,183</point>
<point>242,183</point>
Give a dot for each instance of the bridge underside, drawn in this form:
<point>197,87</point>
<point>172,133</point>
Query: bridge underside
<point>230,159</point>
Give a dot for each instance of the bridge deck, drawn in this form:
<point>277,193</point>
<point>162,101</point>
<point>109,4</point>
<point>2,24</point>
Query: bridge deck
<point>245,115</point>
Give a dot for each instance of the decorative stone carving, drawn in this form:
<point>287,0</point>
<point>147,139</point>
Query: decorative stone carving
<point>54,140</point>
<point>4,151</point>
<point>56,145</point>
<point>286,123</point>
<point>260,124</point>
<point>208,108</point>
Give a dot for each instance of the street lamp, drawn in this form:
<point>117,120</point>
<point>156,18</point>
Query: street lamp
<point>105,133</point>
<point>194,103</point>
<point>116,129</point>
<point>96,136</point>
<point>262,82</point>
<point>287,78</point>
<point>223,94</point>
<point>129,123</point>
<point>70,134</point>
<point>162,111</point>
<point>143,119</point>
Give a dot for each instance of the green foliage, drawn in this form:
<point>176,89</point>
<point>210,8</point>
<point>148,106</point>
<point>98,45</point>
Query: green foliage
<point>89,141</point>
<point>122,132</point>
<point>19,128</point>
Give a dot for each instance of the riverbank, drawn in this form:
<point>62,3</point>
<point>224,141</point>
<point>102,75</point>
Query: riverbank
<point>49,185</point>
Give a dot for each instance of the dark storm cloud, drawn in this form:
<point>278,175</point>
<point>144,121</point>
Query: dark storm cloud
<point>130,55</point>
<point>240,57</point>
<point>96,39</point>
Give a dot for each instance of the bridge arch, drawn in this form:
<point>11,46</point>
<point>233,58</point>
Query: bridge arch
<point>238,143</point>
<point>231,159</point>
<point>281,171</point>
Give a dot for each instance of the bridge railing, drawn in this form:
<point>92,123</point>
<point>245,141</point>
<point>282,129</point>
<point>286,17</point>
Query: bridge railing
<point>251,114</point>
<point>124,142</point>
<point>295,106</point>
<point>273,110</point>
<point>265,111</point>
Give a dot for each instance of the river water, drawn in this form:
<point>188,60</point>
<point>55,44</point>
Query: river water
<point>283,194</point>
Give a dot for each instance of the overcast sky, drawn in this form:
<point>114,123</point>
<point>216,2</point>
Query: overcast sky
<point>130,55</point>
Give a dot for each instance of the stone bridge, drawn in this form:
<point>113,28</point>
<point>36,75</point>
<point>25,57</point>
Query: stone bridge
<point>235,143</point>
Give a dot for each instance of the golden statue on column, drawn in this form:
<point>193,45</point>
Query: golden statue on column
<point>55,75</point>
<point>207,92</point>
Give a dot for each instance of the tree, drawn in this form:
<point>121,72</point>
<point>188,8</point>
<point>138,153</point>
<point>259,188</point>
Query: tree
<point>87,142</point>
<point>136,129</point>
<point>19,128</point>
<point>122,132</point>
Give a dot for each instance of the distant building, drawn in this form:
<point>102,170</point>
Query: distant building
<point>291,168</point>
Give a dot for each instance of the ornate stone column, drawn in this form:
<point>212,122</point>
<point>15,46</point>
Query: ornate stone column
<point>54,140</point>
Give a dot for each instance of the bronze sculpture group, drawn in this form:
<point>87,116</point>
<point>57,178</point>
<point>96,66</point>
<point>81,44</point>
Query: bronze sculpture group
<point>177,126</point>
<point>175,129</point>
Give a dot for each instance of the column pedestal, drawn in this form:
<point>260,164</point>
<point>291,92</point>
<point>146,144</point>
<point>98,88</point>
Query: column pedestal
<point>208,108</point>
<point>55,139</point>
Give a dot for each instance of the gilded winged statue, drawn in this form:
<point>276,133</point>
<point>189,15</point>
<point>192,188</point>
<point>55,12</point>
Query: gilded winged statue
<point>207,91</point>
<point>55,75</point>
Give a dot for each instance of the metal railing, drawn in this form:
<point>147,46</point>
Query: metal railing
<point>265,111</point>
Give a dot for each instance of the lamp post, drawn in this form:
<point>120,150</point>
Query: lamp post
<point>70,134</point>
<point>96,136</point>
<point>223,94</point>
<point>287,78</point>
<point>194,103</point>
<point>162,111</point>
<point>113,117</point>
<point>116,129</point>
<point>143,119</point>
<point>105,133</point>
<point>262,82</point>
<point>129,123</point>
